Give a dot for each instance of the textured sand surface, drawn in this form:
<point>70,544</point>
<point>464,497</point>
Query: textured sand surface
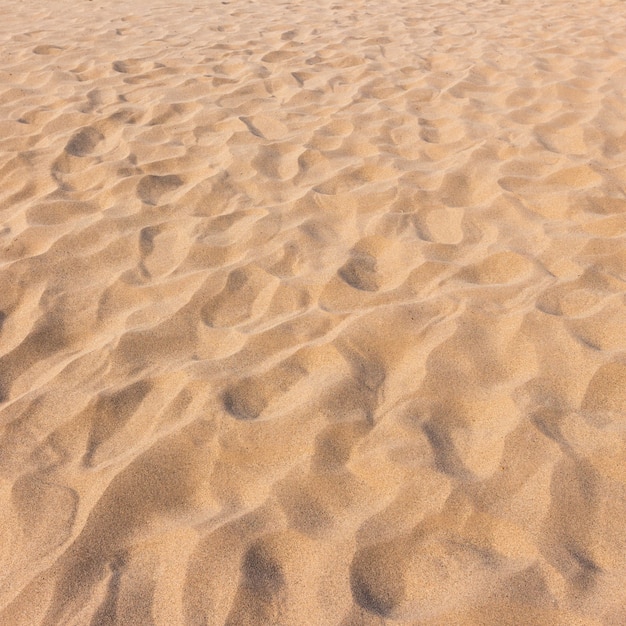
<point>312,313</point>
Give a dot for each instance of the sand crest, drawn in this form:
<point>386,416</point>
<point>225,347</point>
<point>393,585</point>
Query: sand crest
<point>312,313</point>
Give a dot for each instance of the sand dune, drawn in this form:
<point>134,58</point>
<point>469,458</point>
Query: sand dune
<point>312,313</point>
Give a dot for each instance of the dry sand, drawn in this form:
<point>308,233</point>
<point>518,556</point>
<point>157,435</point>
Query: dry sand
<point>313,313</point>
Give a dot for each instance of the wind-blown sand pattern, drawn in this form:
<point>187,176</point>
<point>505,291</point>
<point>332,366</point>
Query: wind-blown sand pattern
<point>312,313</point>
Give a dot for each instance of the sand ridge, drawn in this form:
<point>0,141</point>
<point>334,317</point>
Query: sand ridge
<point>312,313</point>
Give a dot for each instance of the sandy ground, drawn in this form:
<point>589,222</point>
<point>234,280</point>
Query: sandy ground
<point>312,313</point>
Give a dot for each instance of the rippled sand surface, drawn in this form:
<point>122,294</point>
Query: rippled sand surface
<point>312,313</point>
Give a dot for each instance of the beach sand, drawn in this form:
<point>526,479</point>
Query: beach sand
<point>312,313</point>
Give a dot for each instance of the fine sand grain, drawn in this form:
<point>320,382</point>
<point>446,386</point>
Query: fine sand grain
<point>312,313</point>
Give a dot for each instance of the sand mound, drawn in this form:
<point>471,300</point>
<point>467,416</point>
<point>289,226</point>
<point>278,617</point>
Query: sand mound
<point>312,313</point>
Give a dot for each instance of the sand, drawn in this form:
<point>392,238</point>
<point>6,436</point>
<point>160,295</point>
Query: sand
<point>312,313</point>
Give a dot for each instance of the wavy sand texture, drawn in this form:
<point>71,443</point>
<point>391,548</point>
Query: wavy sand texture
<point>312,313</point>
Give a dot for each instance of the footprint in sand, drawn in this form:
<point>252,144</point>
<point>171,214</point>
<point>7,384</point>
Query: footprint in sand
<point>248,398</point>
<point>84,142</point>
<point>498,268</point>
<point>375,262</point>
<point>152,188</point>
<point>48,50</point>
<point>360,272</point>
<point>46,510</point>
<point>162,249</point>
<point>246,295</point>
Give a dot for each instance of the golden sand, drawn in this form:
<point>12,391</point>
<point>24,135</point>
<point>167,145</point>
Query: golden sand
<point>312,313</point>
